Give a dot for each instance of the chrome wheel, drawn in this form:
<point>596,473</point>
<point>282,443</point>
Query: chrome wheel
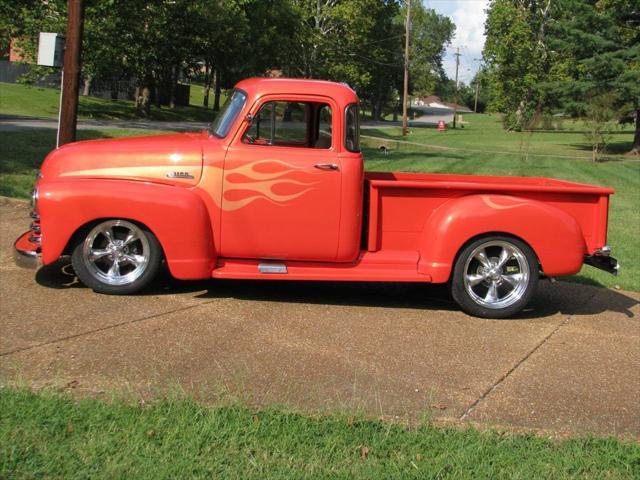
<point>116,252</point>
<point>496,274</point>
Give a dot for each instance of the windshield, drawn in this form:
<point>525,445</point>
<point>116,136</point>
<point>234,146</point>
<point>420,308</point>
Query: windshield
<point>230,110</point>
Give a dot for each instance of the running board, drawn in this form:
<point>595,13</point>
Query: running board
<point>369,267</point>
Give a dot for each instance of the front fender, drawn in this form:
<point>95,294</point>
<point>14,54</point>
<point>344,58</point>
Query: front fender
<point>554,235</point>
<point>177,216</point>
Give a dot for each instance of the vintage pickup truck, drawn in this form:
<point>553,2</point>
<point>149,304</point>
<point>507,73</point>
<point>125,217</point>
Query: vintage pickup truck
<point>276,189</point>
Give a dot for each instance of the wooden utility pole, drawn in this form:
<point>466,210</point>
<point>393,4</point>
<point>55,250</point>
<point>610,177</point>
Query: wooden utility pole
<point>455,104</point>
<point>405,95</point>
<point>71,72</point>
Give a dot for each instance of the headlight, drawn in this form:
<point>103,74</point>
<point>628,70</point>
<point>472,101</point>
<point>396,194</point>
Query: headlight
<point>34,199</point>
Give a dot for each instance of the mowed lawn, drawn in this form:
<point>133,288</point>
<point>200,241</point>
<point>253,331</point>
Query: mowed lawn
<point>17,99</point>
<point>48,435</point>
<point>482,147</point>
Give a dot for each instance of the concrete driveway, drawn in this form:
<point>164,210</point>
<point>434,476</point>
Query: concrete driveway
<point>569,364</point>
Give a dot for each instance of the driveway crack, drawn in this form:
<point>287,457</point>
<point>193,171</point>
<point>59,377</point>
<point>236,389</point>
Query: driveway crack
<point>103,329</point>
<point>500,380</point>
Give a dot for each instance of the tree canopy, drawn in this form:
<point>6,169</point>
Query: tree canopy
<point>360,42</point>
<point>580,58</point>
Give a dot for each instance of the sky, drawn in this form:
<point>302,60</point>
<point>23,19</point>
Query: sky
<point>469,17</point>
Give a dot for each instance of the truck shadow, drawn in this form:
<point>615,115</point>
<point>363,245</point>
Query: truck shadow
<point>562,297</point>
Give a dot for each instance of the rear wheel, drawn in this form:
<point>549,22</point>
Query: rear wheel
<point>117,257</point>
<point>495,277</point>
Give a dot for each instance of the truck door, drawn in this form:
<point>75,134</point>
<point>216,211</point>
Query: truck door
<point>282,183</point>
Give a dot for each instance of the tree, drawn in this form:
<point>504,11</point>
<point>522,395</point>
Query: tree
<point>517,57</point>
<point>430,34</point>
<point>602,79</point>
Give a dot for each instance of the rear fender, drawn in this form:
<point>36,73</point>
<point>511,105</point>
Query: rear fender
<point>177,217</point>
<point>554,235</point>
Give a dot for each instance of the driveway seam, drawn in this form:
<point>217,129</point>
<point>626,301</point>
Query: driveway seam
<point>501,380</point>
<point>102,329</point>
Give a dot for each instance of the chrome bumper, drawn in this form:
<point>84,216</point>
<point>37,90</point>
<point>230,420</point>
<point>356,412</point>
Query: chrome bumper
<point>603,260</point>
<point>26,251</point>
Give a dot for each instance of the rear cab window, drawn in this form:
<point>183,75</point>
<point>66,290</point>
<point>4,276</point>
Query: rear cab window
<point>352,128</point>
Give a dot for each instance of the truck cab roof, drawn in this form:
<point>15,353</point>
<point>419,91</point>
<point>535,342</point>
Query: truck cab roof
<point>257,87</point>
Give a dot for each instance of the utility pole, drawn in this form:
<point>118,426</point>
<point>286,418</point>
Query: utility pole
<point>405,95</point>
<point>455,105</point>
<point>71,72</point>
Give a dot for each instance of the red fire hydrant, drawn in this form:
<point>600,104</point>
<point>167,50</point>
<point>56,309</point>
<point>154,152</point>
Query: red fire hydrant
<point>441,126</point>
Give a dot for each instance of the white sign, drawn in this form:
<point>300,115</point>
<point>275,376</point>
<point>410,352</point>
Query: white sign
<point>50,49</point>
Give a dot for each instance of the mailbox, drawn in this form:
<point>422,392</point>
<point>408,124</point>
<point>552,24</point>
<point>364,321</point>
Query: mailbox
<point>50,49</point>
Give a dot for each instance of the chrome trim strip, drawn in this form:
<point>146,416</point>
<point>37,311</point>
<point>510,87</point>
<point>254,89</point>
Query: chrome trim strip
<point>272,268</point>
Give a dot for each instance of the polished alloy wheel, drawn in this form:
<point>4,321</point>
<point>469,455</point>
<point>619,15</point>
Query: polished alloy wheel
<point>496,274</point>
<point>116,252</point>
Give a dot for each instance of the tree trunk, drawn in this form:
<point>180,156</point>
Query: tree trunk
<point>216,97</point>
<point>207,85</point>
<point>173,87</point>
<point>114,90</point>
<point>87,86</point>
<point>143,99</point>
<point>635,149</point>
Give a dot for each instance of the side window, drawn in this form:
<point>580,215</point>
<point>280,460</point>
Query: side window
<point>352,129</point>
<point>291,124</point>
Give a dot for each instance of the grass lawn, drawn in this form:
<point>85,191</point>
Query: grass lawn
<point>482,147</point>
<point>196,96</point>
<point>49,435</point>
<point>16,99</point>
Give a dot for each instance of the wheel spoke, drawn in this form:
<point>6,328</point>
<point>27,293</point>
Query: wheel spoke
<point>131,237</point>
<point>492,293</point>
<point>135,260</point>
<point>114,271</point>
<point>474,280</point>
<point>481,256</point>
<point>108,233</point>
<point>98,254</point>
<point>505,255</point>
<point>514,279</point>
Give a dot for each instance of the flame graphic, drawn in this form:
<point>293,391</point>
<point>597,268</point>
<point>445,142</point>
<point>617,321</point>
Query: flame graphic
<point>261,184</point>
<point>496,206</point>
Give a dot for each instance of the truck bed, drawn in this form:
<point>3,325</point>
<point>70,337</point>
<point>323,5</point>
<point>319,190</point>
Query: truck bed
<point>394,196</point>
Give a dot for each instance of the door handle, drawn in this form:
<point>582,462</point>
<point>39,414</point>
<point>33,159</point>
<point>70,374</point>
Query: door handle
<point>326,166</point>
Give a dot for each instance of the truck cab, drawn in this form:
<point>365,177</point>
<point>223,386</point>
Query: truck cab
<point>276,189</point>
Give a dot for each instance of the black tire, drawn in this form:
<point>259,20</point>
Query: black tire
<point>483,287</point>
<point>131,246</point>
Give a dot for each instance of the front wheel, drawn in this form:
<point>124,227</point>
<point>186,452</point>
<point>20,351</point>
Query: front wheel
<point>117,257</point>
<point>494,277</point>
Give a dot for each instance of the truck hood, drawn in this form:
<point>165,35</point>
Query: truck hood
<point>171,159</point>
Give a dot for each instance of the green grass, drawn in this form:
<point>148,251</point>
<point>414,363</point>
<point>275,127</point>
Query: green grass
<point>17,99</point>
<point>196,96</point>
<point>24,150</point>
<point>482,147</point>
<point>49,435</point>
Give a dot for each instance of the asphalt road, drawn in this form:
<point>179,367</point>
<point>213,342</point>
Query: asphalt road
<point>569,364</point>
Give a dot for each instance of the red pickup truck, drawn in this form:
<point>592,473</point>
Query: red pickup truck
<point>276,189</point>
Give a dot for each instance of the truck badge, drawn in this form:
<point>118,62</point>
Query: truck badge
<point>179,175</point>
